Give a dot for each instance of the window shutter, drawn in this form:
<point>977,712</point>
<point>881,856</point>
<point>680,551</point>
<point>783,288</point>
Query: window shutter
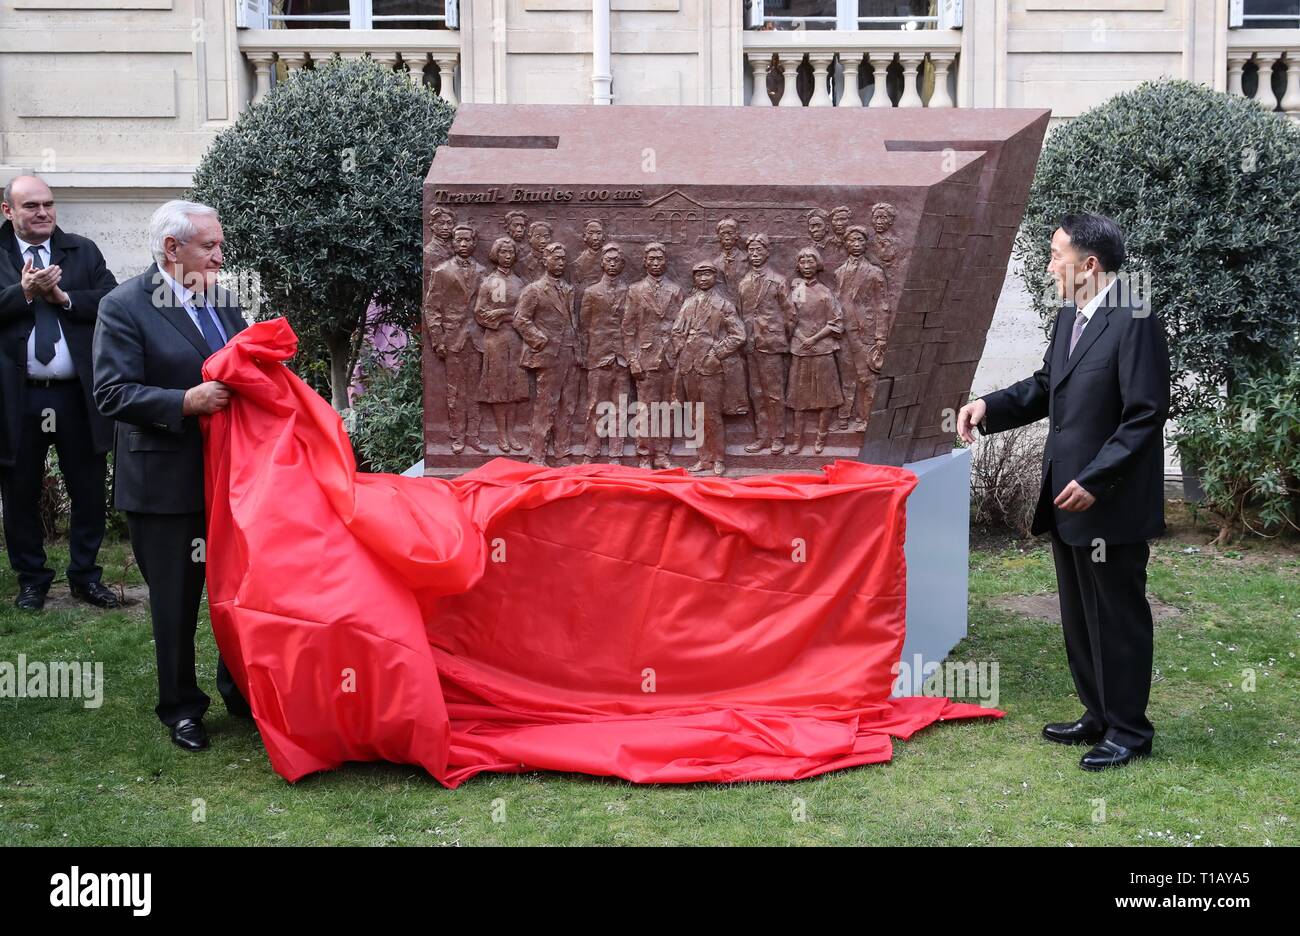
<point>251,14</point>
<point>452,11</point>
<point>950,14</point>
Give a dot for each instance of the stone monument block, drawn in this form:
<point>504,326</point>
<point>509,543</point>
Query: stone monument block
<point>733,290</point>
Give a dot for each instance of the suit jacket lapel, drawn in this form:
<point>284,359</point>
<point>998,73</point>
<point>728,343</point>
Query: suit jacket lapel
<point>57,252</point>
<point>168,305</point>
<point>1091,332</point>
<point>13,254</point>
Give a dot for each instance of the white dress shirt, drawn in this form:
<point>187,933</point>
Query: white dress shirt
<point>1095,303</point>
<point>60,366</point>
<point>186,296</point>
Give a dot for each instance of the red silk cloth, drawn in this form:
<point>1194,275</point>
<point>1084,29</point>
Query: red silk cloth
<point>602,619</point>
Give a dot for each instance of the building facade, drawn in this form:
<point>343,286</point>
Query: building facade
<point>114,101</point>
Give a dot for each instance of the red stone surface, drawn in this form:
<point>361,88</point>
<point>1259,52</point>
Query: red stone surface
<point>958,178</point>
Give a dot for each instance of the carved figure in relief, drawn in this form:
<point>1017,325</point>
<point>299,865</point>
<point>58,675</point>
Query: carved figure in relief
<point>767,314</point>
<point>731,265</point>
<point>532,264</point>
<point>649,314</point>
<point>600,348</point>
<point>883,249</point>
<point>503,383</point>
<point>814,384</point>
<point>544,318</point>
<point>438,250</point>
<point>861,289</point>
<point>707,331</point>
<point>456,337</point>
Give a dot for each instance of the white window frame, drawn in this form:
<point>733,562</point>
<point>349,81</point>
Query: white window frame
<point>256,14</point>
<point>1237,16</point>
<point>846,16</point>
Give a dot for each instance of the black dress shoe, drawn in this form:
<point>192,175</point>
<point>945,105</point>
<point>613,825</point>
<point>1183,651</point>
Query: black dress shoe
<point>189,734</point>
<point>31,598</point>
<point>1080,732</point>
<point>1109,754</point>
<point>96,594</point>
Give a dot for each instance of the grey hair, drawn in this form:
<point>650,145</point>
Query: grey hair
<point>173,220</point>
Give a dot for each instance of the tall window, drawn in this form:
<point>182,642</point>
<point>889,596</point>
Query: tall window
<point>843,14</point>
<point>1271,14</point>
<point>358,14</point>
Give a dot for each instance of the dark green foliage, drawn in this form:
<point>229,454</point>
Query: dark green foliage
<point>1248,452</point>
<point>319,191</point>
<point>388,417</point>
<point>1206,187</point>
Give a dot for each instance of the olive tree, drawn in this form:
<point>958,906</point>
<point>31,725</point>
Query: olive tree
<point>318,186</point>
<point>1206,187</point>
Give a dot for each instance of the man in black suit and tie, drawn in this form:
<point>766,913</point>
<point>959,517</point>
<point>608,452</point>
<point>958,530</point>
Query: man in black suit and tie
<point>51,283</point>
<point>1104,389</point>
<point>154,333</point>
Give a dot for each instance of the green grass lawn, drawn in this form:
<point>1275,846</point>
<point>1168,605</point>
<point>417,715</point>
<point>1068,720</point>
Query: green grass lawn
<point>1226,769</point>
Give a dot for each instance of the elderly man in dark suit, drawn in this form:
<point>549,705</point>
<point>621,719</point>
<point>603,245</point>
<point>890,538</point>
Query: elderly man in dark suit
<point>154,333</point>
<point>1104,390</point>
<point>51,283</point>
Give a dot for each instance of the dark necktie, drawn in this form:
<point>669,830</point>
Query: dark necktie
<point>1080,322</point>
<point>208,324</point>
<point>47,320</point>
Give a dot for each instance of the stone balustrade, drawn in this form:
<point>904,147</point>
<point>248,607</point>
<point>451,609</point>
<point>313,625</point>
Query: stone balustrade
<point>1266,52</point>
<point>804,68</point>
<point>409,50</point>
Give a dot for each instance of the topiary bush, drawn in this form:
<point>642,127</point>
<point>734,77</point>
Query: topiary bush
<point>319,190</point>
<point>1206,187</point>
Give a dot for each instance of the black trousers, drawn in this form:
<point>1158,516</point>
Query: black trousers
<point>1108,633</point>
<point>54,415</point>
<point>169,549</point>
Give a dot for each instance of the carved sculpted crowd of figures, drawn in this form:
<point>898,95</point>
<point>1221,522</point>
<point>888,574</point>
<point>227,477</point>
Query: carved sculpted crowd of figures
<point>793,352</point>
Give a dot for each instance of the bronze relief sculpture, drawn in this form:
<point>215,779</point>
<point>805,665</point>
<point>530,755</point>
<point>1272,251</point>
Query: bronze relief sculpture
<point>837,307</point>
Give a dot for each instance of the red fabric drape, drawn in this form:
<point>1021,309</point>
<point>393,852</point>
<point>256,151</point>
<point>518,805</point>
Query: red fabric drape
<point>602,619</point>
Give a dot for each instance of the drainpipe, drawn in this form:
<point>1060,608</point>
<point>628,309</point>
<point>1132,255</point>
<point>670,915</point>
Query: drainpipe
<point>600,73</point>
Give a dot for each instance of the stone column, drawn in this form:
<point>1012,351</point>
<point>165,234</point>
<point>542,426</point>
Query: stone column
<point>387,59</point>
<point>1291,97</point>
<point>1264,95</point>
<point>447,76</point>
<point>880,64</point>
<point>758,67</point>
<point>789,68</point>
<point>850,61</point>
<point>262,63</point>
<point>821,63</point>
<point>1236,62</point>
<point>942,61</point>
<point>911,62</point>
<point>414,62</point>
